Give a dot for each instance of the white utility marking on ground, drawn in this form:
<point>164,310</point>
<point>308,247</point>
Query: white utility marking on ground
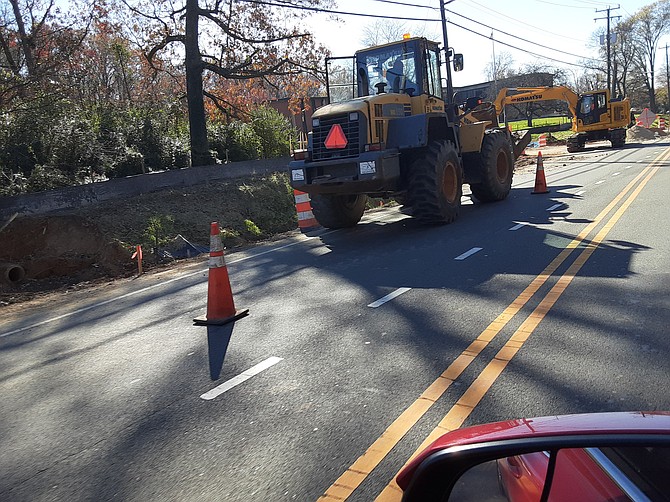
<point>242,377</point>
<point>600,182</point>
<point>555,206</point>
<point>388,297</point>
<point>616,174</point>
<point>466,201</point>
<point>518,226</point>
<point>581,192</point>
<point>467,254</point>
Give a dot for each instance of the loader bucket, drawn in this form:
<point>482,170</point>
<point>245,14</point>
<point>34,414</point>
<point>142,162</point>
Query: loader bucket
<point>521,141</point>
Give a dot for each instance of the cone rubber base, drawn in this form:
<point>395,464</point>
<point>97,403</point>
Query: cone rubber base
<point>540,191</point>
<point>203,321</point>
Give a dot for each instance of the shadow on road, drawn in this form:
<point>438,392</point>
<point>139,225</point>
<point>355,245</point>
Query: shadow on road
<point>218,338</point>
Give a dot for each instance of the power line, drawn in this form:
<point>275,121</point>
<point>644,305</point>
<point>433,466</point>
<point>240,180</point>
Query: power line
<point>599,4</point>
<point>518,48</point>
<point>486,26</point>
<point>280,3</point>
<point>515,36</point>
<point>521,23</point>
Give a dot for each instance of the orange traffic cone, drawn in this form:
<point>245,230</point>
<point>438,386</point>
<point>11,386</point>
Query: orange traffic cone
<point>220,305</point>
<point>303,206</point>
<point>540,181</point>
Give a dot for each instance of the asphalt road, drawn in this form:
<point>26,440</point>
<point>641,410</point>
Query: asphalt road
<point>360,345</point>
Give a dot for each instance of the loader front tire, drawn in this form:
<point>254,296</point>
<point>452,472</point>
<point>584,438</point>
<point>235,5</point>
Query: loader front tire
<point>436,184</point>
<point>338,211</point>
<point>496,168</point>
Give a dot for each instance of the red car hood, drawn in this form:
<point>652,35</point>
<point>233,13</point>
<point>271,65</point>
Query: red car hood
<point>655,422</point>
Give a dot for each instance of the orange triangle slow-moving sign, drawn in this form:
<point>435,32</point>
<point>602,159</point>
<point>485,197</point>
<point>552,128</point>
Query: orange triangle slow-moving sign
<point>335,138</point>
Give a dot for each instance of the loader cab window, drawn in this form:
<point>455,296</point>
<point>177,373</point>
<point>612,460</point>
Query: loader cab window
<point>388,69</point>
<point>433,71</point>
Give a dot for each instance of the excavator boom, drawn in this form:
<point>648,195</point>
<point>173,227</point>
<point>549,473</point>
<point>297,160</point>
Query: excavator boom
<point>594,115</point>
<point>528,94</point>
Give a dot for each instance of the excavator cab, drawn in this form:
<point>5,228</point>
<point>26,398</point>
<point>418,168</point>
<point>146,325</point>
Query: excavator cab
<point>590,107</point>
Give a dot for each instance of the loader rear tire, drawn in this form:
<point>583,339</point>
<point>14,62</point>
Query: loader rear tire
<point>338,211</point>
<point>436,184</point>
<point>496,168</point>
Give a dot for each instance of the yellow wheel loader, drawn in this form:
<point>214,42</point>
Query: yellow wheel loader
<point>388,132</point>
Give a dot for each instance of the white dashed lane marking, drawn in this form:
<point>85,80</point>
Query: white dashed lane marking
<point>388,297</point>
<point>467,254</point>
<point>242,377</point>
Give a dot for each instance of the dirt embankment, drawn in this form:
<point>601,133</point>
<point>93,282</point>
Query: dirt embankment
<point>67,249</point>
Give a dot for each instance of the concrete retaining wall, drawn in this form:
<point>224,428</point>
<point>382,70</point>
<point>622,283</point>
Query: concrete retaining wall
<point>93,193</point>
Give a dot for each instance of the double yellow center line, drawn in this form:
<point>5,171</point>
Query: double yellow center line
<point>345,485</point>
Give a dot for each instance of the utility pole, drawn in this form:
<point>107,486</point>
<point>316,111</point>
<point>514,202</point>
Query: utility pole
<point>447,51</point>
<point>610,82</point>
<point>667,79</point>
<point>495,69</point>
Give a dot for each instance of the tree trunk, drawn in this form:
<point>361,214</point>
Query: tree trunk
<point>26,40</point>
<point>200,155</point>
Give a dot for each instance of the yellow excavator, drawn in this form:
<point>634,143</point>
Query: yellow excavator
<point>594,115</point>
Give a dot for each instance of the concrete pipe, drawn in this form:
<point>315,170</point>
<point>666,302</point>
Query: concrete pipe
<point>11,273</point>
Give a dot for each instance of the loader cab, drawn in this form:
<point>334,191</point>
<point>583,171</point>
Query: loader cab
<point>410,67</point>
<point>591,106</point>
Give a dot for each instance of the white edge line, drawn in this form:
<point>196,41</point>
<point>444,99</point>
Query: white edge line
<point>242,377</point>
<point>555,206</point>
<point>139,291</point>
<point>467,254</point>
<point>388,297</point>
<point>581,192</point>
<point>518,226</point>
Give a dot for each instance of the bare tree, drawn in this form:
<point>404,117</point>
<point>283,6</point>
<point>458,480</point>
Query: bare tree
<point>383,31</point>
<point>500,68</point>
<point>36,42</point>
<point>650,23</point>
<point>231,40</point>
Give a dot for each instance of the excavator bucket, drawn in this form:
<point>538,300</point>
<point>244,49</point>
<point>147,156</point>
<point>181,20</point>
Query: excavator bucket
<point>520,139</point>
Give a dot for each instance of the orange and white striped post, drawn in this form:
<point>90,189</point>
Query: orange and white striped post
<point>542,140</point>
<point>220,305</point>
<point>303,206</point>
<point>661,123</point>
